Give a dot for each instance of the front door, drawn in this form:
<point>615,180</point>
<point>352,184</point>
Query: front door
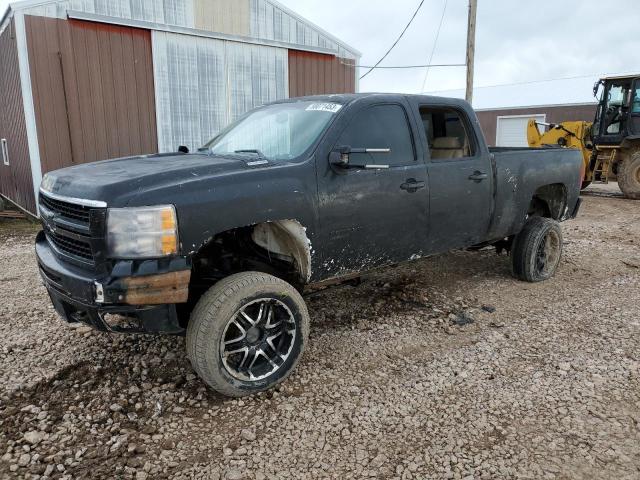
<point>461,181</point>
<point>614,112</point>
<point>634,126</point>
<point>373,217</point>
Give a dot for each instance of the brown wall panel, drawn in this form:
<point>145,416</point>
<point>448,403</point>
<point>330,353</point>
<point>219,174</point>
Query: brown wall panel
<point>555,114</point>
<point>93,91</point>
<point>16,182</point>
<point>318,74</point>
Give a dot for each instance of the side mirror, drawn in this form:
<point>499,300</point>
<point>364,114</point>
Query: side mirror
<point>341,158</point>
<point>596,87</point>
<point>183,149</point>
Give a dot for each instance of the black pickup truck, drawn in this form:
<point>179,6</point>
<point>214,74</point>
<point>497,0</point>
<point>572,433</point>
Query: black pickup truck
<point>221,244</point>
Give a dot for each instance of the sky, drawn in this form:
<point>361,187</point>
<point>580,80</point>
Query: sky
<point>517,42</point>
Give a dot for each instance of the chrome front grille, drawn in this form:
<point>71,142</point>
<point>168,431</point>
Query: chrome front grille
<point>74,231</point>
<point>73,212</point>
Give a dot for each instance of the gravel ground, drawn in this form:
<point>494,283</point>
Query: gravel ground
<point>445,368</point>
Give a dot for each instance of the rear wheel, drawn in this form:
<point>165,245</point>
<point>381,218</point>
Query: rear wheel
<point>629,176</point>
<point>247,333</point>
<point>537,250</point>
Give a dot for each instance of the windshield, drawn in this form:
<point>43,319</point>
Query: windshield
<point>278,132</point>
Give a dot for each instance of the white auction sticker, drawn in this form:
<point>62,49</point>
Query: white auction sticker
<point>324,107</point>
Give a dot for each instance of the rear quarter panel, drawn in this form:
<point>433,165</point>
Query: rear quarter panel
<point>519,173</point>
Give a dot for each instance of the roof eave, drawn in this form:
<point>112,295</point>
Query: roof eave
<point>5,18</point>
<point>17,6</point>
<point>22,4</point>
<point>531,107</point>
<point>300,18</point>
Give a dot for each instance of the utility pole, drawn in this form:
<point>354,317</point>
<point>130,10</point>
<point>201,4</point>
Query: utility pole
<point>471,47</point>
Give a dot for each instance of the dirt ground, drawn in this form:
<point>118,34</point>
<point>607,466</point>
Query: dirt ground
<point>409,375</point>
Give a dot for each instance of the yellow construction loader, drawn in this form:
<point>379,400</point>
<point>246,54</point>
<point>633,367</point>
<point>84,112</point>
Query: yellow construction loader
<point>611,144</point>
<point>568,135</point>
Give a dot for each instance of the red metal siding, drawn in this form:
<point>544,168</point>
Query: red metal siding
<point>16,182</point>
<point>93,91</point>
<point>555,114</point>
<point>318,74</point>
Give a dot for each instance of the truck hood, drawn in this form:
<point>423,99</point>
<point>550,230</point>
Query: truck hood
<point>116,182</point>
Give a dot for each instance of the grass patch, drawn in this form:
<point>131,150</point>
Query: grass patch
<point>11,227</point>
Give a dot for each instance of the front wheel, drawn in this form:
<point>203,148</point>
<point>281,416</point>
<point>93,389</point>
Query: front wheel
<point>537,250</point>
<point>629,176</point>
<point>247,333</point>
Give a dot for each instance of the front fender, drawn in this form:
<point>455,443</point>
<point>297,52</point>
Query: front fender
<point>208,206</point>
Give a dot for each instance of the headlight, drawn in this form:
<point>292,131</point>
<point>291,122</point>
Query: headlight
<point>147,232</point>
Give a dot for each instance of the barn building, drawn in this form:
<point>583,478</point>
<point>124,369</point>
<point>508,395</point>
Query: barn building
<point>87,80</point>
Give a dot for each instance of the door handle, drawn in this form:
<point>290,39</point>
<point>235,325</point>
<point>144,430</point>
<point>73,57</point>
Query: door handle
<point>412,185</point>
<point>478,177</point>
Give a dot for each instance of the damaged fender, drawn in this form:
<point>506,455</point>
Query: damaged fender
<point>288,239</point>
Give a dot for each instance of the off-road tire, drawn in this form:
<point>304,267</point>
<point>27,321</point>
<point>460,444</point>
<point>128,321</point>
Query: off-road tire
<point>629,176</point>
<point>537,250</point>
<point>217,308</point>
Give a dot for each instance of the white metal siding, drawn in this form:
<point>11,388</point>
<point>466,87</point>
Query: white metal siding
<point>203,84</point>
<point>171,12</point>
<point>512,131</point>
<point>267,19</point>
<point>223,16</point>
<point>270,21</point>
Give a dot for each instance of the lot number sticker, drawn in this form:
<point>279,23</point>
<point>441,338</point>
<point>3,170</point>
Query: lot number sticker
<point>324,107</point>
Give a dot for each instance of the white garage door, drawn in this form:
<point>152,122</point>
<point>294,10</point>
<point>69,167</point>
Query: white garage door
<point>512,131</point>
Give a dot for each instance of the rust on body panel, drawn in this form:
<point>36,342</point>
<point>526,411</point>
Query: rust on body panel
<point>168,288</point>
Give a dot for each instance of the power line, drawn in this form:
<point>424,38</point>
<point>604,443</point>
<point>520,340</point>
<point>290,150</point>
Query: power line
<point>435,45</point>
<point>529,82</point>
<point>396,42</point>
<point>397,67</point>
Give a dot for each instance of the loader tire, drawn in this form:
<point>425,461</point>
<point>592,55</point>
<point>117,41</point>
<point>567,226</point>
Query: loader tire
<point>629,176</point>
<point>247,333</point>
<point>537,250</point>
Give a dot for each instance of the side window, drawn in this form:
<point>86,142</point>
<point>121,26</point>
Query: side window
<point>616,97</point>
<point>635,106</point>
<point>5,151</point>
<point>447,134</point>
<point>380,126</point>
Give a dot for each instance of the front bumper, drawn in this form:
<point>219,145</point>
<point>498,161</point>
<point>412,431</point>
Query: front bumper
<point>135,297</point>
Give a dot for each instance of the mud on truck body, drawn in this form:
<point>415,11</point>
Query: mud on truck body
<point>221,244</point>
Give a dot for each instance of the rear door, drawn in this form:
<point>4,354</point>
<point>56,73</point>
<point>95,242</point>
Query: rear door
<point>460,180</point>
<point>371,218</point>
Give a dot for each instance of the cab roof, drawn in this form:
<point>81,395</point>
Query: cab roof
<point>347,98</point>
<point>621,77</point>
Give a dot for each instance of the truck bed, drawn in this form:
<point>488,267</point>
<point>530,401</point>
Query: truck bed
<point>518,170</point>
